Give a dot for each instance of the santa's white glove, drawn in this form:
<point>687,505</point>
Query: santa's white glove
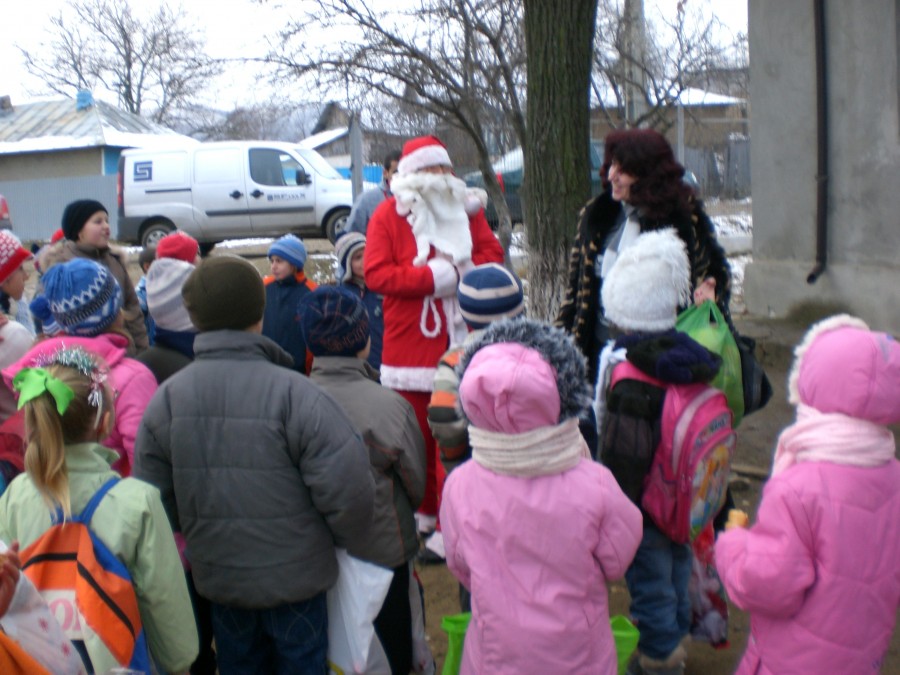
<point>445,277</point>
<point>476,199</point>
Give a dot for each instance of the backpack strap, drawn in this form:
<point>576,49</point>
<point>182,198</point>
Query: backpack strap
<point>626,370</point>
<point>88,511</point>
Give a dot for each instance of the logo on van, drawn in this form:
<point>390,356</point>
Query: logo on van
<point>143,171</point>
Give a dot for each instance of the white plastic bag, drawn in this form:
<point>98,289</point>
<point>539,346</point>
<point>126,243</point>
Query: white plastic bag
<point>423,661</point>
<point>353,603</point>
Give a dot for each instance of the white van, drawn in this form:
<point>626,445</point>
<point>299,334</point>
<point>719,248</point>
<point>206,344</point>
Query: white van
<point>229,190</point>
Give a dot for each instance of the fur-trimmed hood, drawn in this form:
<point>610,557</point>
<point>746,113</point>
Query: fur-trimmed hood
<point>841,366</point>
<point>555,346</point>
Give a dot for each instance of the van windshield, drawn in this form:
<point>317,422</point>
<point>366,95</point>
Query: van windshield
<point>318,163</point>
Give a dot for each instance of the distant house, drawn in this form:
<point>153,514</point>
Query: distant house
<point>52,152</point>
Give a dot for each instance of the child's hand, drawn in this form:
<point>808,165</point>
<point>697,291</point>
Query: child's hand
<point>705,291</point>
<point>737,518</point>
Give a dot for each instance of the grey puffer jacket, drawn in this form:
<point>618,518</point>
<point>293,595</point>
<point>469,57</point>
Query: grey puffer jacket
<point>260,470</point>
<point>388,425</point>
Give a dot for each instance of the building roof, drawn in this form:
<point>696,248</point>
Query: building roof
<point>323,138</point>
<point>59,125</point>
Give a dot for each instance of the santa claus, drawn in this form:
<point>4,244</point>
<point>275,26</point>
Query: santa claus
<point>419,243</point>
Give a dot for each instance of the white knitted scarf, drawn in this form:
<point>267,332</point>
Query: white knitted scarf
<point>541,452</point>
<point>834,438</point>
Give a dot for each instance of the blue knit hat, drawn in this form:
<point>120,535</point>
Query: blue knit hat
<point>488,293</point>
<point>84,297</point>
<point>40,310</point>
<point>290,248</point>
<point>334,322</point>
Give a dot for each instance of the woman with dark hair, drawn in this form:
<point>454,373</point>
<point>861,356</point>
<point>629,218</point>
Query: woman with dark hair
<point>644,189</point>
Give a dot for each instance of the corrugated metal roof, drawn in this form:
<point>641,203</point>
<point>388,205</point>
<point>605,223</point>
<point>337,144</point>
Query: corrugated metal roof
<point>57,125</point>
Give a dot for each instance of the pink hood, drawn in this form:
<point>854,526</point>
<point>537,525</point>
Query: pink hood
<point>132,382</point>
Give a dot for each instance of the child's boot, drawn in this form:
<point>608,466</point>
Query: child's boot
<point>673,664</point>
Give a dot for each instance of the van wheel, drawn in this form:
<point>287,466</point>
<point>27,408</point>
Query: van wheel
<point>154,231</point>
<point>335,223</point>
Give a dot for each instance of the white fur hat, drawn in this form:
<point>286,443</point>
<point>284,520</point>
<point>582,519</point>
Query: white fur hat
<point>648,283</point>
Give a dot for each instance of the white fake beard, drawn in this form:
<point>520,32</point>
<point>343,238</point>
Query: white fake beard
<point>435,206</point>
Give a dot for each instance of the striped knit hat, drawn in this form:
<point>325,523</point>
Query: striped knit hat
<point>488,293</point>
<point>290,248</point>
<point>84,297</point>
<point>344,248</point>
<point>333,321</point>
<point>165,279</point>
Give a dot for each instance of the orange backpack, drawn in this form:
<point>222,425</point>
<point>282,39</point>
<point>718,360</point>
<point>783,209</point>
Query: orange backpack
<point>83,582</point>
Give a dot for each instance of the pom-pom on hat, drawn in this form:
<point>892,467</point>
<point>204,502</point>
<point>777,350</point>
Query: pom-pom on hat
<point>843,367</point>
<point>344,248</point>
<point>290,248</point>
<point>178,245</point>
<point>648,283</point>
<point>76,214</point>
<point>12,254</point>
<point>56,236</point>
<point>224,292</point>
<point>422,152</point>
<point>488,293</point>
<point>40,310</point>
<point>165,279</point>
<point>334,322</point>
<point>84,297</point>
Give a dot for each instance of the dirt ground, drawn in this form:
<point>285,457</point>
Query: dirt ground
<point>756,441</point>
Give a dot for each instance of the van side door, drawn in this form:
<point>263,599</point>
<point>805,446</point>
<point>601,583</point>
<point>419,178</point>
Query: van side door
<point>219,194</point>
<point>282,192</point>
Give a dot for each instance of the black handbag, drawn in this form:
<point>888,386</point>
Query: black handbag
<point>757,388</point>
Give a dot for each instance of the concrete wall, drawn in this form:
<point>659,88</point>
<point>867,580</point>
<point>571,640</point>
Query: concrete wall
<point>863,270</point>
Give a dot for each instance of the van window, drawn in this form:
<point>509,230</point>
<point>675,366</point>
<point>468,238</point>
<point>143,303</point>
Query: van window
<point>273,167</point>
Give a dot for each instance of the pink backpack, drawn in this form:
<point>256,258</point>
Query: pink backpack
<point>685,487</point>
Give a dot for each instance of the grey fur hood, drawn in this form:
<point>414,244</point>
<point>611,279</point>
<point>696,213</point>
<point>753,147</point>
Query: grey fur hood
<point>556,347</point>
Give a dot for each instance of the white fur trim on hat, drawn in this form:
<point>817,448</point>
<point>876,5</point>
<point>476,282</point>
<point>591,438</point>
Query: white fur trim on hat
<point>817,329</point>
<point>650,280</point>
<point>423,157</point>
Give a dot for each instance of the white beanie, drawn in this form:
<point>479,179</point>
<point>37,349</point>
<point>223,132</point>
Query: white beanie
<point>165,278</point>
<point>422,152</point>
<point>648,283</point>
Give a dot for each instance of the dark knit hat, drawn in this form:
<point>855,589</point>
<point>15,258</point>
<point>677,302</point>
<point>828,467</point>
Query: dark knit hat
<point>76,215</point>
<point>225,292</point>
<point>488,293</point>
<point>178,245</point>
<point>84,297</point>
<point>290,248</point>
<point>344,248</point>
<point>334,322</point>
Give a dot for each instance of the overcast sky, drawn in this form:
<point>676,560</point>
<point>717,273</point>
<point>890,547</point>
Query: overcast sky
<point>234,28</point>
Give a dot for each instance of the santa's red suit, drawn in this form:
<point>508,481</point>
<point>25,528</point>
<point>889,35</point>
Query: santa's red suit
<point>418,305</point>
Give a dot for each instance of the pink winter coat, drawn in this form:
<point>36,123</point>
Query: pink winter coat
<point>536,554</point>
<point>819,572</point>
<point>132,382</point>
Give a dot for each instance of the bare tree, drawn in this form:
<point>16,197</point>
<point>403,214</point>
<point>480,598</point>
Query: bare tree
<point>673,56</point>
<point>155,66</point>
<point>456,62</point>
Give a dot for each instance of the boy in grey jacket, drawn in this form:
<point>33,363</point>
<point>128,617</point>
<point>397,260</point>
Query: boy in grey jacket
<point>335,325</point>
<point>261,471</point>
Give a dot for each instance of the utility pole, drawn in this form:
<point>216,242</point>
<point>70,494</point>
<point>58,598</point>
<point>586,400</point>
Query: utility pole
<point>635,38</point>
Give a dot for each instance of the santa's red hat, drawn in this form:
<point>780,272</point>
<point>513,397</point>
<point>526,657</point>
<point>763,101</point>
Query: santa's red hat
<point>423,152</point>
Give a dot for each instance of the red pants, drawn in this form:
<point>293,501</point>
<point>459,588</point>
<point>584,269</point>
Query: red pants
<point>434,470</point>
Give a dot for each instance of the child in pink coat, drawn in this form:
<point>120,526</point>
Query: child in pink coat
<point>819,571</point>
<point>532,526</point>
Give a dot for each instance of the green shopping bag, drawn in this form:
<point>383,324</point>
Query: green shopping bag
<point>707,326</point>
<point>455,626</point>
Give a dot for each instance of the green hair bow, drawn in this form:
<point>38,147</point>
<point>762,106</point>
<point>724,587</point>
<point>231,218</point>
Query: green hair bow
<point>32,382</point>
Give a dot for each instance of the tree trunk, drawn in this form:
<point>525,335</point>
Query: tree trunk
<point>558,38</point>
